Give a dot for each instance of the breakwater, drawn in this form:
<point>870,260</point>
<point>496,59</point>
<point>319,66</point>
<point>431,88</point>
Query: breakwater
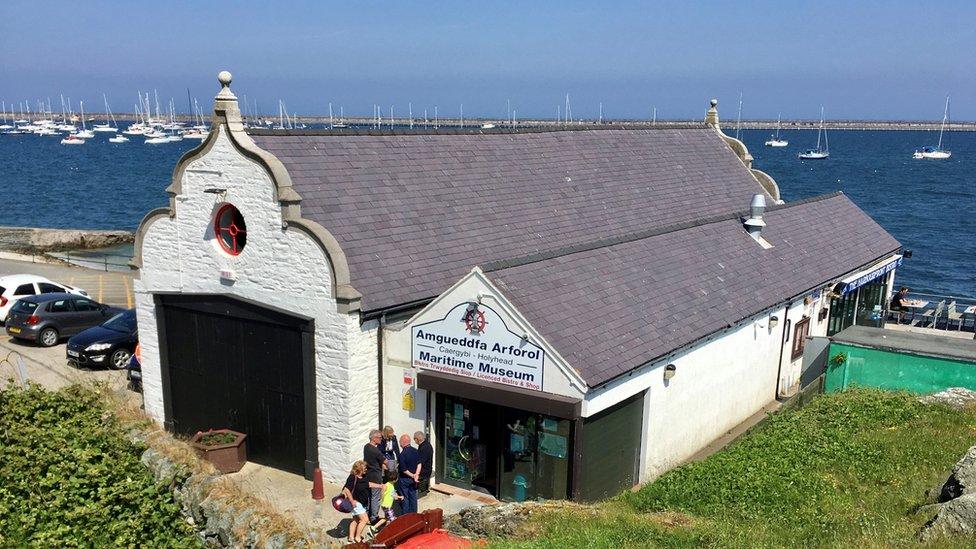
<point>42,240</point>
<point>753,124</point>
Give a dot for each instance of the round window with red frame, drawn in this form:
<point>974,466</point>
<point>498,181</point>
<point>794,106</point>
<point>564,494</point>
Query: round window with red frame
<point>230,230</point>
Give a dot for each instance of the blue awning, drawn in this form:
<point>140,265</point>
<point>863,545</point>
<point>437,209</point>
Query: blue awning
<point>873,272</point>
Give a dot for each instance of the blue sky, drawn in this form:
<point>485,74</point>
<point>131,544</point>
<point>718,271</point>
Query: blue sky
<point>888,60</point>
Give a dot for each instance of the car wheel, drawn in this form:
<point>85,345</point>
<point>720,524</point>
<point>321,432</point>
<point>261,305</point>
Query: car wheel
<point>120,358</point>
<point>48,337</point>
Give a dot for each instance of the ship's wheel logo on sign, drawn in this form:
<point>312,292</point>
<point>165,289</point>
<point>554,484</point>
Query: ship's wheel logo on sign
<point>474,321</point>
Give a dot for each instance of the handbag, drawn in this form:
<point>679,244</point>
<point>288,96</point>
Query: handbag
<point>341,504</point>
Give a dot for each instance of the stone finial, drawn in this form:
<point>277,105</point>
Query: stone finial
<point>225,78</point>
<point>225,105</point>
<point>711,117</point>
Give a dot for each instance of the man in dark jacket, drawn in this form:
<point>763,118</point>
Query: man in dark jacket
<point>426,452</point>
<point>409,468</point>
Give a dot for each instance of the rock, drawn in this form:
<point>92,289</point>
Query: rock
<point>167,472</point>
<point>962,480</point>
<point>491,521</point>
<point>220,522</point>
<point>277,541</point>
<point>36,240</point>
<point>953,397</point>
<point>505,520</point>
<point>955,517</point>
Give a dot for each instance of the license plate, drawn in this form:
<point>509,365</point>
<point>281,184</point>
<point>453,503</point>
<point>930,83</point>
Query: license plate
<point>73,353</point>
<point>14,330</point>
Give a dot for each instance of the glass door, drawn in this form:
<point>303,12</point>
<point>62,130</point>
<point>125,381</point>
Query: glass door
<point>467,445</point>
<point>871,303</point>
<point>841,313</point>
<point>535,461</point>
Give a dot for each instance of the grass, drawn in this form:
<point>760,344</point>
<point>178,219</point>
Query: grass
<point>848,470</point>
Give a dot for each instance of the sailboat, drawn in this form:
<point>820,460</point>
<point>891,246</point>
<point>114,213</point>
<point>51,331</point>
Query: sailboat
<point>774,140</point>
<point>4,125</point>
<point>85,133</point>
<point>108,126</point>
<point>937,152</point>
<point>818,153</point>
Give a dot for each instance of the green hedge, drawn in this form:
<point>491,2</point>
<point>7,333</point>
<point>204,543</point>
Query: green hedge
<point>69,477</point>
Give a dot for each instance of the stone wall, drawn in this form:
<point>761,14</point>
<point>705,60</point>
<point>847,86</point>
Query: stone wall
<point>221,522</point>
<point>40,240</point>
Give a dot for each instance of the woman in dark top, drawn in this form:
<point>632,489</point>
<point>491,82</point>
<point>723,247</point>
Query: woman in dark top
<point>390,448</point>
<point>356,490</point>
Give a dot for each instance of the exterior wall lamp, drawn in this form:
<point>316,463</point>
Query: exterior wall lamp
<point>773,322</point>
<point>669,371</point>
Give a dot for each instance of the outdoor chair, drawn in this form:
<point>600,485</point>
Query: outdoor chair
<point>898,315</point>
<point>952,315</point>
<point>933,314</point>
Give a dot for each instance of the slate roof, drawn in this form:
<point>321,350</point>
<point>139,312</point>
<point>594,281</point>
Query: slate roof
<point>415,212</point>
<point>618,245</point>
<point>611,309</point>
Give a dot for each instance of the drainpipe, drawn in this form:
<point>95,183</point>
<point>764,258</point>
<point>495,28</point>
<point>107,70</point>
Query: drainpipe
<point>782,344</point>
<point>379,367</point>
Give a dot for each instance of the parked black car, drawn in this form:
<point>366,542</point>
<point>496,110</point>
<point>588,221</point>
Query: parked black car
<point>110,343</point>
<point>47,318</point>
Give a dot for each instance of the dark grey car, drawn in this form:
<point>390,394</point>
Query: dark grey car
<point>47,318</point>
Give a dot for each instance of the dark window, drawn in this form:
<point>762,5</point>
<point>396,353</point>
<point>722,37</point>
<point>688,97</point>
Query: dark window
<point>60,306</point>
<point>800,332</point>
<point>2,289</point>
<point>84,305</point>
<point>25,289</point>
<point>24,307</point>
<point>47,288</point>
<point>230,230</point>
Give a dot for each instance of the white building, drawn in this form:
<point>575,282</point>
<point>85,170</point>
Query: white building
<point>567,312</point>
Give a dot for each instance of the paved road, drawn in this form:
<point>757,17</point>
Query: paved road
<point>47,366</point>
<point>113,288</point>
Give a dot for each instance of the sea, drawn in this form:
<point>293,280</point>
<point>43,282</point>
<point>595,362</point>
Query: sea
<point>928,205</point>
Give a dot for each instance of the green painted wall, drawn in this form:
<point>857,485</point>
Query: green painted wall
<point>890,370</point>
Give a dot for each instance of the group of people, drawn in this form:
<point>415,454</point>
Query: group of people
<point>392,470</point>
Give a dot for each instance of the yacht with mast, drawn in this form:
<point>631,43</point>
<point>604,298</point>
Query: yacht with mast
<point>937,152</point>
<point>109,125</point>
<point>775,140</point>
<point>85,133</point>
<point>818,153</point>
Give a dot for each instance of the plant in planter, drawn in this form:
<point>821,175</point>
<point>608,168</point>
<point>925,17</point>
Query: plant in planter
<point>222,447</point>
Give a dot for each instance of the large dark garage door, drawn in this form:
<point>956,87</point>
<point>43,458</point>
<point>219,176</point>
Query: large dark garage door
<point>231,364</point>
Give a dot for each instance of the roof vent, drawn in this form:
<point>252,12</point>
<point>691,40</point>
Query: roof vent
<point>754,223</point>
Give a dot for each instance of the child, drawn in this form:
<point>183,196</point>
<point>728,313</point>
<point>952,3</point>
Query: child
<point>386,502</point>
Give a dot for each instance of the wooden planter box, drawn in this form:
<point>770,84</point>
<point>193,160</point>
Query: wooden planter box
<point>227,458</point>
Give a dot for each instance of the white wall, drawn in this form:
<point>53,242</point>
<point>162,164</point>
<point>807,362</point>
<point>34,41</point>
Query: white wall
<point>396,363</point>
<point>790,379</point>
<point>283,268</point>
<point>717,385</point>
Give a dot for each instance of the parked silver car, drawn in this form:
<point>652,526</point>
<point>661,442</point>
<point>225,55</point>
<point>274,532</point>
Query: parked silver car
<point>47,318</point>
